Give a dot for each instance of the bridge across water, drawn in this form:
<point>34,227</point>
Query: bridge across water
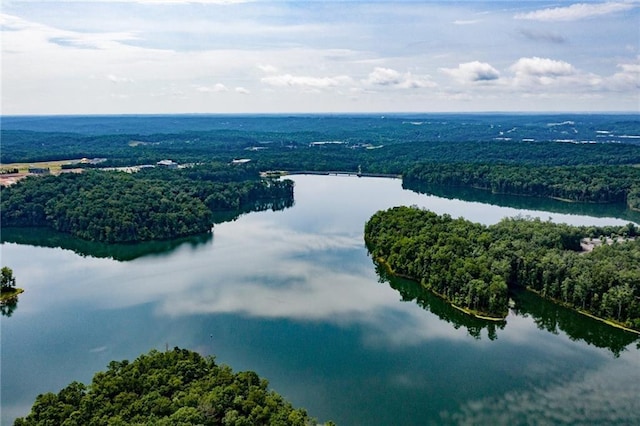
<point>342,173</point>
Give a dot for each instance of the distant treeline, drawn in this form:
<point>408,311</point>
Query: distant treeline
<point>377,149</point>
<point>149,205</point>
<point>472,265</point>
<point>597,184</point>
<point>178,387</point>
<point>461,151</point>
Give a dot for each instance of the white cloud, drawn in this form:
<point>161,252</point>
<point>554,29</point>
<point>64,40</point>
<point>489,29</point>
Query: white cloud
<point>475,71</point>
<point>288,80</point>
<point>216,88</point>
<point>416,82</point>
<point>549,78</point>
<point>384,77</point>
<point>242,90</point>
<point>220,2</point>
<point>194,1</point>
<point>466,21</point>
<point>576,11</point>
<point>627,79</point>
<point>389,77</point>
<point>542,67</point>
<point>21,35</point>
<point>269,69</point>
<point>115,79</point>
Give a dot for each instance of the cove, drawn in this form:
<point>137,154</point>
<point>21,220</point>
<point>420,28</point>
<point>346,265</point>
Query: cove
<point>293,295</point>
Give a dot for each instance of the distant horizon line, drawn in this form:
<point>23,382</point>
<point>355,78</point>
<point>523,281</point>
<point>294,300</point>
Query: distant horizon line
<point>300,114</point>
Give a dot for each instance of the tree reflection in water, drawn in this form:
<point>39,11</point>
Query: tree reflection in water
<point>8,306</point>
<point>45,237</point>
<point>552,317</point>
<point>546,315</point>
<point>412,291</point>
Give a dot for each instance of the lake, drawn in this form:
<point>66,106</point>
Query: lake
<point>294,296</point>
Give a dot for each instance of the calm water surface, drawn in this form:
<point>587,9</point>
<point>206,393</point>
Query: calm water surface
<point>294,296</point>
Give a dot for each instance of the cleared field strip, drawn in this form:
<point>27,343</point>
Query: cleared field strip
<point>53,166</point>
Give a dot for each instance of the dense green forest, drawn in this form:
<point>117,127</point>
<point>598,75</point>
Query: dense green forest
<point>379,146</point>
<point>597,184</point>
<point>176,388</point>
<point>473,266</point>
<point>420,147</point>
<point>152,204</point>
<point>496,152</point>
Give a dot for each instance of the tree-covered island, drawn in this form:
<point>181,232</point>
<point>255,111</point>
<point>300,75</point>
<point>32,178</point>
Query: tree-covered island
<point>152,204</point>
<point>473,266</point>
<point>177,387</point>
<point>8,292</point>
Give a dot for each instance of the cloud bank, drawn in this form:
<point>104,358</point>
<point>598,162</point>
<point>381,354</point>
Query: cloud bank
<point>388,77</point>
<point>127,57</point>
<point>288,80</point>
<point>575,12</point>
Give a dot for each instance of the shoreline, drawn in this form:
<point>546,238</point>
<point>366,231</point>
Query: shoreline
<point>609,322</point>
<point>8,295</point>
<point>497,319</point>
<point>470,312</point>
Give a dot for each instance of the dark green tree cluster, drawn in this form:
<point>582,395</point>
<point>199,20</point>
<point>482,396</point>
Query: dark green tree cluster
<point>598,184</point>
<point>105,206</point>
<point>173,388</point>
<point>472,265</point>
<point>604,282</point>
<point>121,207</point>
<point>7,280</point>
<point>225,187</point>
<point>8,292</point>
<point>448,256</point>
<point>633,198</point>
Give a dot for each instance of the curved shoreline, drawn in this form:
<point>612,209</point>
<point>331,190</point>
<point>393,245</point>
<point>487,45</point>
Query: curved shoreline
<point>585,313</point>
<point>8,295</point>
<point>482,316</point>
<point>476,314</point>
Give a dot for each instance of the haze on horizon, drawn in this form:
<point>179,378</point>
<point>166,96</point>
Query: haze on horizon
<point>227,56</point>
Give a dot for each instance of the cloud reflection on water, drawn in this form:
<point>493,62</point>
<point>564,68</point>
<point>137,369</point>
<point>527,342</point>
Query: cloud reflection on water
<point>299,270</point>
<point>303,277</point>
<point>599,396</point>
<point>307,263</point>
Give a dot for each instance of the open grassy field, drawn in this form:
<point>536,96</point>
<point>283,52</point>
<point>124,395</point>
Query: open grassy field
<point>54,166</point>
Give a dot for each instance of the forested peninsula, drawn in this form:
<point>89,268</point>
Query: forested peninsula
<point>152,204</point>
<point>473,265</point>
<point>592,184</point>
<point>177,387</point>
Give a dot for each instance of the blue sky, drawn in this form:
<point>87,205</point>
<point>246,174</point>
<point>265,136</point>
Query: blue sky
<point>155,56</point>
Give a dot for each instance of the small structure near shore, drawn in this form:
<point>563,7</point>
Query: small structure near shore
<point>168,163</point>
<point>39,170</point>
<point>588,244</point>
<point>240,161</point>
